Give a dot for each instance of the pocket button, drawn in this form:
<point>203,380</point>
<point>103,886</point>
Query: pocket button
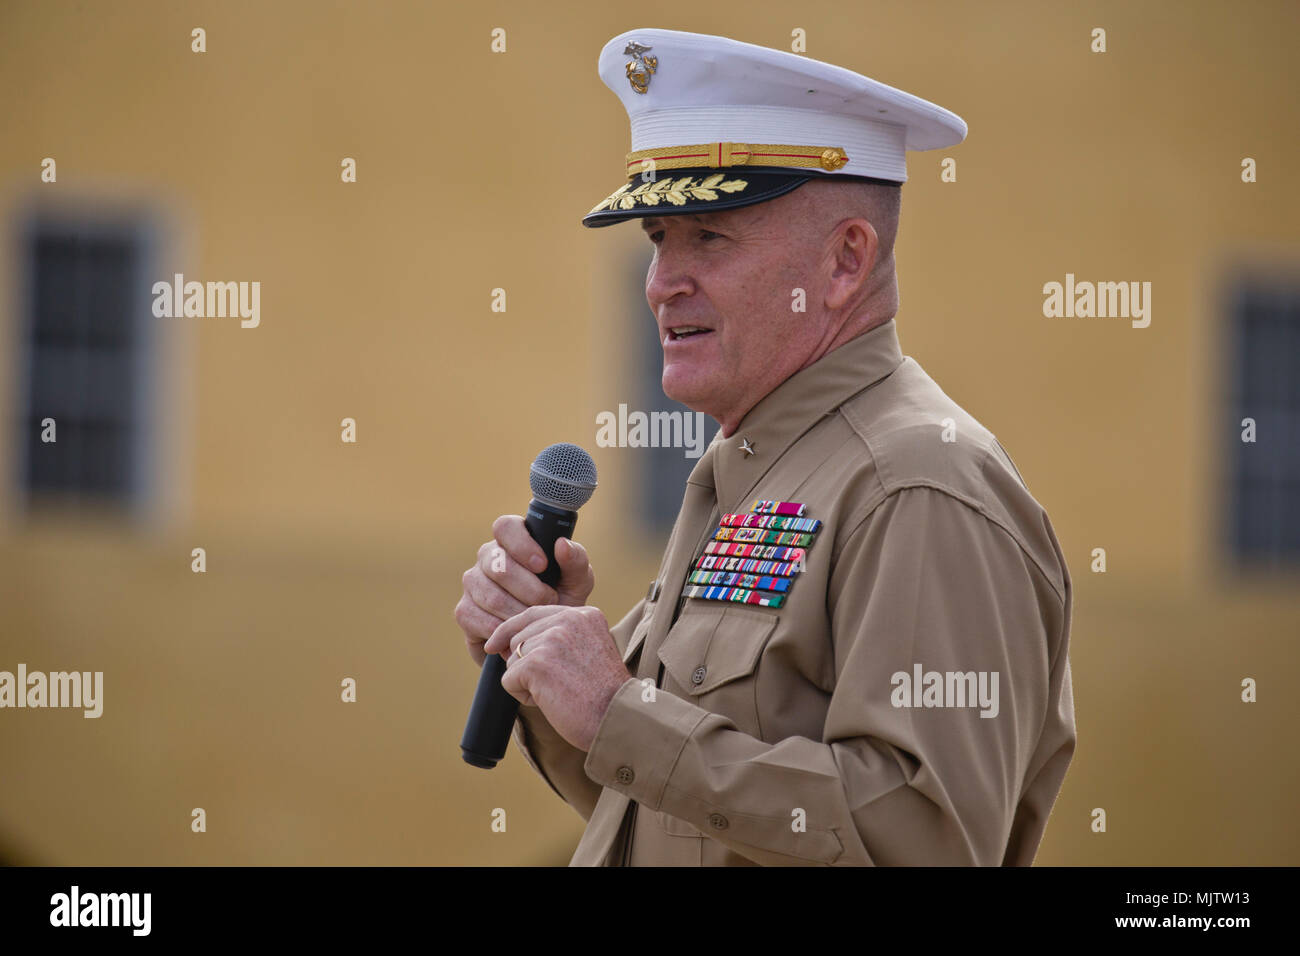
<point>698,676</point>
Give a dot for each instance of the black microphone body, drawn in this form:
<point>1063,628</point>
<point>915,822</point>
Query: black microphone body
<point>492,715</point>
<point>562,479</point>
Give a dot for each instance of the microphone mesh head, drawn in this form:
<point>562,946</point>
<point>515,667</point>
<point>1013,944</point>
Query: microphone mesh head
<point>563,475</point>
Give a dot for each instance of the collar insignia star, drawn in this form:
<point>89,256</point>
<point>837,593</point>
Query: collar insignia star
<point>747,447</point>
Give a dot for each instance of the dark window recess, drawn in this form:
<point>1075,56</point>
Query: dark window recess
<point>82,347</point>
<point>1264,475</point>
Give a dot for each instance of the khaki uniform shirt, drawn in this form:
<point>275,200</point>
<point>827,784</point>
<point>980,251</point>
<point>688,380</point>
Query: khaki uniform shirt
<point>758,735</point>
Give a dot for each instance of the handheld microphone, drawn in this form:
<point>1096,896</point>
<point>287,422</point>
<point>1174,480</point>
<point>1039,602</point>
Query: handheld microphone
<point>562,479</point>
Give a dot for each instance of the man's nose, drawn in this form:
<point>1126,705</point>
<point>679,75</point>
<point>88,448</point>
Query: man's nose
<point>669,274</point>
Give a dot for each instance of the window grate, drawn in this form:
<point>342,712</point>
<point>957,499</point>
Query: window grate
<point>1264,475</point>
<point>82,345</point>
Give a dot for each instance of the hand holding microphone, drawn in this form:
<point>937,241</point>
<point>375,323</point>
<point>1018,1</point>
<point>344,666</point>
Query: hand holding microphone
<point>503,581</point>
<point>506,580</point>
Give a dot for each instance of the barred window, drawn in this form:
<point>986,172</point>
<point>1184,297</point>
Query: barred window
<point>1264,474</point>
<point>83,359</point>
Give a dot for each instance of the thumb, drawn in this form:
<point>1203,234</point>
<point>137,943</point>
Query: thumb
<point>569,554</point>
<point>575,575</point>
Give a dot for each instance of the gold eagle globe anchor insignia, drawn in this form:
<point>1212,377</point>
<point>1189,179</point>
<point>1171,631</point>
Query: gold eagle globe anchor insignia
<point>641,67</point>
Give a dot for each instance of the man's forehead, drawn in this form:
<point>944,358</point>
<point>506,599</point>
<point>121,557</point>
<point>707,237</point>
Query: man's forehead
<point>743,214</point>
<point>648,222</point>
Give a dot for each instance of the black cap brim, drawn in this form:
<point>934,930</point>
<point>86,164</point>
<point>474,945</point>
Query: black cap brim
<point>681,192</point>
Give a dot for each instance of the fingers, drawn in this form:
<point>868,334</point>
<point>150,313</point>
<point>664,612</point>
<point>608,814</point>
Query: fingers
<point>478,626</point>
<point>513,681</point>
<point>499,583</point>
<point>503,583</point>
<point>489,595</point>
<point>511,560</point>
<point>510,532</point>
<point>513,634</point>
<point>528,622</point>
<point>577,580</point>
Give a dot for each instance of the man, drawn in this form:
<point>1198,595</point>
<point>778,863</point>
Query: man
<point>856,648</point>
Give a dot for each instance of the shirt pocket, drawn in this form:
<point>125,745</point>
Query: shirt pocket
<point>711,654</point>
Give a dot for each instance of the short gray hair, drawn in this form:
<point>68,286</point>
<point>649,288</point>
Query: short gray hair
<point>879,204</point>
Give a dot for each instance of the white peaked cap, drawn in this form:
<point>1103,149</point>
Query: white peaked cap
<point>709,104</point>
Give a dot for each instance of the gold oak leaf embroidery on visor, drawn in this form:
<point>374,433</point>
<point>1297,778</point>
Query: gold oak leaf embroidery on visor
<point>675,191</point>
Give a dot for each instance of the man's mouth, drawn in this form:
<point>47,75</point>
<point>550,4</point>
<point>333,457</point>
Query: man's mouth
<point>686,332</point>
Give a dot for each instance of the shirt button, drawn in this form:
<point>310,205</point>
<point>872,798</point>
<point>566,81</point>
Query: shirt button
<point>717,821</point>
<point>624,775</point>
<point>698,676</point>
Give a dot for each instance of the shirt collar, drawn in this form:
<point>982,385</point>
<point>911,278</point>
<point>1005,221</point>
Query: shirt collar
<point>785,413</point>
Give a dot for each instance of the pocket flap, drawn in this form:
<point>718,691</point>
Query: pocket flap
<point>711,646</point>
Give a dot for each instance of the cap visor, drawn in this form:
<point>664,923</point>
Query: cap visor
<point>680,192</point>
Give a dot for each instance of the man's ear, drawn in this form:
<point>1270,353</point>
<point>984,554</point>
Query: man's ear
<point>854,248</point>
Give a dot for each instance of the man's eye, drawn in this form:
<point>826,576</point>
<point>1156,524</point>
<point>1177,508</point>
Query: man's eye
<point>657,236</point>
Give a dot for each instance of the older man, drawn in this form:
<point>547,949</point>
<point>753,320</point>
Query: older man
<point>856,650</point>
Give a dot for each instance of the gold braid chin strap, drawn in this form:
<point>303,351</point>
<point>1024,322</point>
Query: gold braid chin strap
<point>724,155</point>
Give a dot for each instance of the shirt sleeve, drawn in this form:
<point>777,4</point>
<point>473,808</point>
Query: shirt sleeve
<point>924,582</point>
<point>558,762</point>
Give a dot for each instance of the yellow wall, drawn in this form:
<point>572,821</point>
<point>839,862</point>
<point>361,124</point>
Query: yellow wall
<point>329,560</point>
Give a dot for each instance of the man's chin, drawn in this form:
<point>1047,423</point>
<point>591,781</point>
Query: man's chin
<point>687,390</point>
